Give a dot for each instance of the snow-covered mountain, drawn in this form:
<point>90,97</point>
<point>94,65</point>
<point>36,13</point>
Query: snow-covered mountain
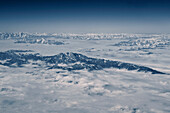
<point>83,36</point>
<point>70,61</point>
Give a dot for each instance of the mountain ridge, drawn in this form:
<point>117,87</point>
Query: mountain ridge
<point>72,61</point>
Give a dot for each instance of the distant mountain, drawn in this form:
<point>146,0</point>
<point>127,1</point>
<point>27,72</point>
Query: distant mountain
<point>67,61</point>
<point>82,36</point>
<point>144,43</point>
<point>40,41</point>
<point>22,35</point>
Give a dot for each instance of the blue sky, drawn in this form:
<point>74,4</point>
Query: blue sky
<point>81,16</point>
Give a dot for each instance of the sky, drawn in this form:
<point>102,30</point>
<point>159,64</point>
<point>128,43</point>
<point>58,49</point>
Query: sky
<point>85,16</point>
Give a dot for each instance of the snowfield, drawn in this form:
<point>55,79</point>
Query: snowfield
<point>84,73</point>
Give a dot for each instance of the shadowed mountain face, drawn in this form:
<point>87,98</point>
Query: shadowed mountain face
<point>67,61</point>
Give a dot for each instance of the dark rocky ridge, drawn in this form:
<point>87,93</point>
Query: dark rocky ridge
<point>72,61</point>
